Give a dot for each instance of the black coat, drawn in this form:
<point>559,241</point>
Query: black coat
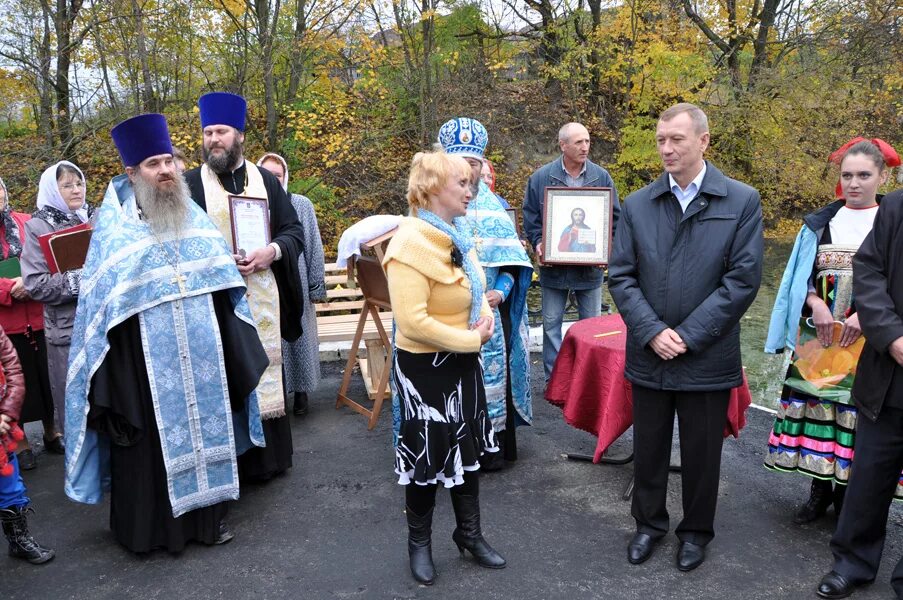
<point>878,290</point>
<point>695,272</point>
<point>285,230</point>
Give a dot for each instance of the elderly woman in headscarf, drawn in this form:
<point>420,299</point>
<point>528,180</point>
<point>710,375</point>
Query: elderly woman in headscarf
<point>61,204</point>
<point>301,359</point>
<point>22,319</point>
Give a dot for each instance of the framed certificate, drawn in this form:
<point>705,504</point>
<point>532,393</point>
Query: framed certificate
<point>576,226</point>
<point>250,219</point>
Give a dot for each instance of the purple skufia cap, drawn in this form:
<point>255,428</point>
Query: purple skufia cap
<point>223,108</point>
<point>141,137</point>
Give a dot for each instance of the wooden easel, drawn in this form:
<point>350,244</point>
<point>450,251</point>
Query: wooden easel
<point>368,274</point>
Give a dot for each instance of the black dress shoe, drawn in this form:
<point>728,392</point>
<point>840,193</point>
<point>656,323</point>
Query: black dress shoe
<point>640,548</point>
<point>55,445</point>
<point>690,556</point>
<point>27,460</point>
<point>834,585</point>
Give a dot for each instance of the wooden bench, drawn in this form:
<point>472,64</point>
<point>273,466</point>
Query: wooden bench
<point>357,310</point>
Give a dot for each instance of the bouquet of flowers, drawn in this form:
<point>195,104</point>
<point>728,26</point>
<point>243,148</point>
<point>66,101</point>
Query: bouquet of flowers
<point>824,372</point>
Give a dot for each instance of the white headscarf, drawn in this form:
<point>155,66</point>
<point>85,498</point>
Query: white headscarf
<point>274,156</point>
<point>49,192</point>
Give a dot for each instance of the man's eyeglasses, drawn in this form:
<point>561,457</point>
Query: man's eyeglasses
<point>72,186</point>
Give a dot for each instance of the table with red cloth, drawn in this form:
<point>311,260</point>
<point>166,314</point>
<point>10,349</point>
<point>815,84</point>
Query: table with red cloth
<point>588,383</point>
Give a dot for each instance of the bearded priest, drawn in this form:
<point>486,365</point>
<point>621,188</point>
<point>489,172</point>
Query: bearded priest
<point>165,358</point>
<point>271,271</point>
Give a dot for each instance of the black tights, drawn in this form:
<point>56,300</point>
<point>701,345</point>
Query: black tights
<point>421,498</point>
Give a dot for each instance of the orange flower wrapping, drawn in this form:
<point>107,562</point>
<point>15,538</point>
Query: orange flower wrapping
<point>822,366</point>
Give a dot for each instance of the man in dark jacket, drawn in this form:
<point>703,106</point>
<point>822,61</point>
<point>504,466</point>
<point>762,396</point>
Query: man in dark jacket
<point>686,264</point>
<point>878,393</point>
<point>572,169</point>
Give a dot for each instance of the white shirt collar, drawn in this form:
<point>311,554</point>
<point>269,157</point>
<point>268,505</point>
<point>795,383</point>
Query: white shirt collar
<point>697,181</point>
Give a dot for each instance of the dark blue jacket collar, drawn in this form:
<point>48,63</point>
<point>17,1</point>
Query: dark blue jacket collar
<point>714,184</point>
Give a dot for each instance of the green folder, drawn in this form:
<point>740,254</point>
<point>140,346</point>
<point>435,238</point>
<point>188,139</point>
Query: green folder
<point>10,268</point>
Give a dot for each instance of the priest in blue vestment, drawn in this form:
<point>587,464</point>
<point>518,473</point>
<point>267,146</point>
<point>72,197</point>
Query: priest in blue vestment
<point>506,359</point>
<point>270,272</point>
<point>165,358</point>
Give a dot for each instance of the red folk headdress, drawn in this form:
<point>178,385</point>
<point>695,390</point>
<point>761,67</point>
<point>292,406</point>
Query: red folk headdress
<point>891,158</point>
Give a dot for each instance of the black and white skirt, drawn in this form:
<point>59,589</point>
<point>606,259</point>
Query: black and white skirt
<point>445,427</point>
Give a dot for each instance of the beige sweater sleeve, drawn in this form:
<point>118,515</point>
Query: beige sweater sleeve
<point>410,291</point>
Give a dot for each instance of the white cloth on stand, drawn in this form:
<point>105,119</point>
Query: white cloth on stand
<point>361,232</point>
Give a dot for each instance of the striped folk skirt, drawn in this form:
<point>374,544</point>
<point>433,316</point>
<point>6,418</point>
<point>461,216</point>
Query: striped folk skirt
<point>815,437</point>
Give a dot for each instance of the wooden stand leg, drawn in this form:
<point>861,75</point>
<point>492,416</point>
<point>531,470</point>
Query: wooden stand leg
<point>341,398</point>
<point>382,387</point>
<point>375,361</point>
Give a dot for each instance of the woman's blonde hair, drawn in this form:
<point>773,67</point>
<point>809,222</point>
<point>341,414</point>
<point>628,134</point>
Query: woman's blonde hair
<point>430,171</point>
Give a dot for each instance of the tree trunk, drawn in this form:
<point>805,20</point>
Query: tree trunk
<point>63,21</point>
<point>148,102</point>
<point>267,38</point>
<point>297,56</point>
<point>595,9</point>
<point>45,85</point>
<point>760,46</point>
<point>427,110</point>
<point>104,71</point>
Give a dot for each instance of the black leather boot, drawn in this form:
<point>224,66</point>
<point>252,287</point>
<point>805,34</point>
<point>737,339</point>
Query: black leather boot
<point>420,549</point>
<point>467,534</point>
<point>21,544</point>
<point>821,495</point>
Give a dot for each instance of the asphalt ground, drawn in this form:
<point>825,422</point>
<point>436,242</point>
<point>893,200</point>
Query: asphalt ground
<point>334,527</point>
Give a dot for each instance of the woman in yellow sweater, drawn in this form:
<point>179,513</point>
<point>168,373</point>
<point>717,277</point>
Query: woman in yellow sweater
<point>442,319</point>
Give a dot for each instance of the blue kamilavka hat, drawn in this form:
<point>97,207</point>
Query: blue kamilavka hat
<point>141,137</point>
<point>223,108</point>
<point>464,137</point>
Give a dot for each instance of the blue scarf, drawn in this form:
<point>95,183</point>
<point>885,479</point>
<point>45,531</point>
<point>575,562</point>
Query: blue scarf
<point>461,238</point>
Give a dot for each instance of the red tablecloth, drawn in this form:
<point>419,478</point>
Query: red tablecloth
<point>588,383</point>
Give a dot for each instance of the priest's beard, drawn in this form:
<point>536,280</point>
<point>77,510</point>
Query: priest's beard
<point>225,162</point>
<point>164,210</point>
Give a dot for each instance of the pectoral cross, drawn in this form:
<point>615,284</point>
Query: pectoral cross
<point>180,280</point>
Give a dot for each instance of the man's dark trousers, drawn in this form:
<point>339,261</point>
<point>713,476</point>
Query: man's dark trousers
<point>878,461</point>
<point>701,420</point>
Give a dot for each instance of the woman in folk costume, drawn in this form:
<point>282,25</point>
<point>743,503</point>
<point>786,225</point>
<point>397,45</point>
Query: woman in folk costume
<point>301,358</point>
<point>508,270</point>
<point>23,320</point>
<point>811,435</point>
<point>61,204</point>
<point>13,501</point>
<point>442,319</point>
